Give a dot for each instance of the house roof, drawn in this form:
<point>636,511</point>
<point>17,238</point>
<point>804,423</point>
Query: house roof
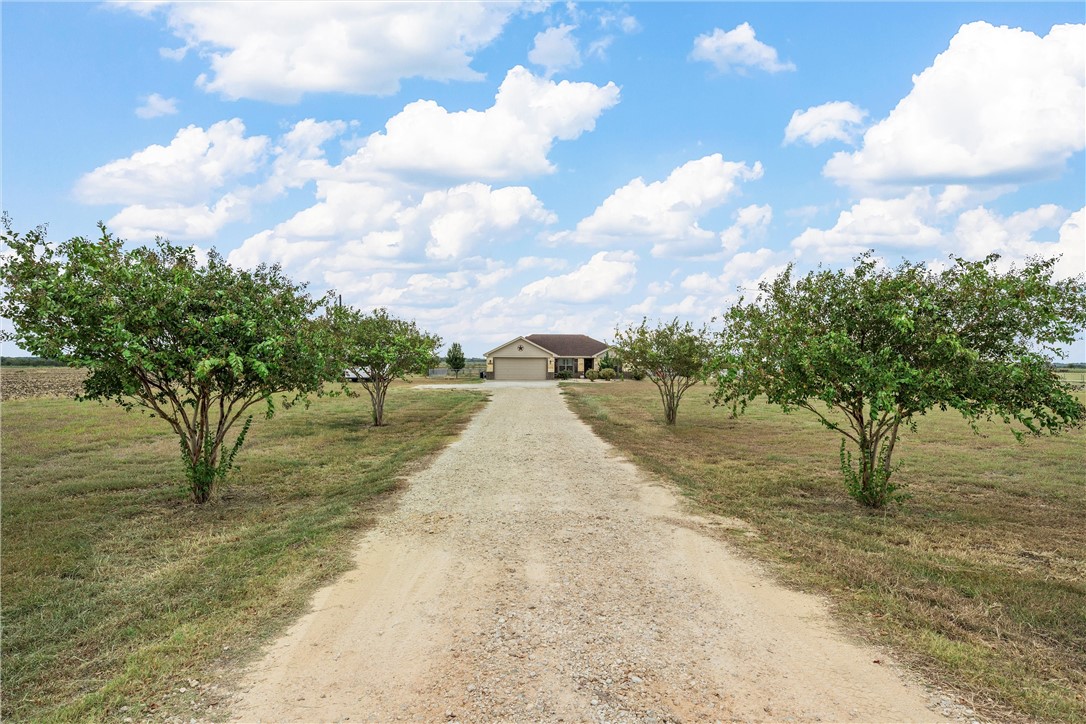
<point>569,345</point>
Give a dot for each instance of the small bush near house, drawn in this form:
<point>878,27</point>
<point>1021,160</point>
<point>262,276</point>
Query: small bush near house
<point>592,375</point>
<point>608,373</point>
<point>563,375</point>
<point>637,375</point>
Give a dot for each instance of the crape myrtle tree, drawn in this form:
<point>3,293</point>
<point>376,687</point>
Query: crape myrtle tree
<point>674,356</point>
<point>380,348</point>
<point>867,350</point>
<point>196,344</point>
<point>455,358</point>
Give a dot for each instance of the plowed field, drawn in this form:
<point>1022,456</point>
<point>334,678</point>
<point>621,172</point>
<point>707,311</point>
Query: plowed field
<point>20,383</point>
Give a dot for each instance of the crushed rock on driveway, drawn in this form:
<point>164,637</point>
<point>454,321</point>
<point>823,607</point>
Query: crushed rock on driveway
<point>531,574</point>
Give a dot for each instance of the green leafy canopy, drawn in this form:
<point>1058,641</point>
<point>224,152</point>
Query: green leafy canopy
<point>674,356</point>
<point>455,358</point>
<point>879,346</point>
<point>197,344</point>
<point>381,348</point>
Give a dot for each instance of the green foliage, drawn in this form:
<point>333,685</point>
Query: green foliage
<point>634,374</point>
<point>381,348</point>
<point>607,362</point>
<point>871,485</point>
<point>868,350</point>
<point>196,345</point>
<point>608,373</point>
<point>455,358</point>
<point>674,356</point>
<point>592,375</point>
<point>563,375</point>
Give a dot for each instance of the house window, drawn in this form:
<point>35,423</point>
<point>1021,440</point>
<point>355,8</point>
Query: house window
<point>567,364</point>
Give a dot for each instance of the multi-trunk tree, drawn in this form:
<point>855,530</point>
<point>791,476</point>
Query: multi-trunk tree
<point>379,348</point>
<point>674,356</point>
<point>196,344</point>
<point>870,349</point>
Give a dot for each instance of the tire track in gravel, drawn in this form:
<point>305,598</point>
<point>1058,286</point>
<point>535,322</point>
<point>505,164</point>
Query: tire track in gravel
<point>530,574</point>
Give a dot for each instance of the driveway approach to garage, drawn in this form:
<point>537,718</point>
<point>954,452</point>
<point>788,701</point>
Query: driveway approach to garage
<point>530,574</point>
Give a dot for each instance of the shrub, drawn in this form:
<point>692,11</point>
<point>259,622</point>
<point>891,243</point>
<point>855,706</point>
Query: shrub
<point>608,374</point>
<point>635,374</point>
<point>563,375</point>
<point>593,375</point>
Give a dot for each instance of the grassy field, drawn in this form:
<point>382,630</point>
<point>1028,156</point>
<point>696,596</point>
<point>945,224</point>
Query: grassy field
<point>980,583</point>
<point>121,598</point>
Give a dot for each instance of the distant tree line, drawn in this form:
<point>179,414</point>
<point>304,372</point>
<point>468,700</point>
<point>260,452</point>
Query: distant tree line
<point>30,362</point>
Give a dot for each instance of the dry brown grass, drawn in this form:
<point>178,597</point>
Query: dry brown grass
<point>980,582</point>
<point>118,592</point>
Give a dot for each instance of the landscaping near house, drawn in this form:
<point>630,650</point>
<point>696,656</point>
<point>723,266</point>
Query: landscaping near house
<point>119,592</point>
<point>979,581</point>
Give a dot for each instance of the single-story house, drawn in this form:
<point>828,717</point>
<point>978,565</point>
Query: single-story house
<point>541,356</point>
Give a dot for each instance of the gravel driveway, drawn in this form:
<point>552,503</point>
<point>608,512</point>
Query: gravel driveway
<point>531,574</point>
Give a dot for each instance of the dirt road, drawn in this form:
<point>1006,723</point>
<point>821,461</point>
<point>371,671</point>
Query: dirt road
<point>530,574</point>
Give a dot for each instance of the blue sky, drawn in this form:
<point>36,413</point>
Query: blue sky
<point>492,170</point>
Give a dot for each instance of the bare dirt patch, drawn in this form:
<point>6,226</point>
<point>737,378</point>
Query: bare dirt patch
<point>530,574</point>
<point>20,383</point>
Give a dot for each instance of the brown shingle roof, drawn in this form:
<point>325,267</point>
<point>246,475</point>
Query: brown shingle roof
<point>568,345</point>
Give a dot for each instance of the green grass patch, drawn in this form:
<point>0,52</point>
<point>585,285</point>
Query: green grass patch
<point>980,582</point>
<point>118,591</point>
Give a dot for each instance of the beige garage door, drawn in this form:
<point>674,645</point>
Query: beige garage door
<point>512,368</point>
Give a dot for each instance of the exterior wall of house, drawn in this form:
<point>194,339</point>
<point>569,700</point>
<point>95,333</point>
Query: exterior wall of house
<point>510,350</point>
<point>519,349</point>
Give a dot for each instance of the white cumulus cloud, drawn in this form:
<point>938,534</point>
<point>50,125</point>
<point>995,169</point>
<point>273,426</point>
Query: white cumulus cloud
<point>155,105</point>
<point>196,162</point>
<point>749,221</point>
<point>510,139</point>
<point>745,270</point>
<point>606,274</point>
<point>873,223</point>
<point>174,221</point>
<point>367,223</point>
<point>455,219</point>
<point>981,231</point>
<point>555,49</point>
<point>737,50</point>
<point>836,121</point>
<point>278,51</point>
<point>299,155</point>
<point>667,212</point>
<point>999,104</point>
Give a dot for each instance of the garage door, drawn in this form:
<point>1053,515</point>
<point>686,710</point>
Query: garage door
<point>512,368</point>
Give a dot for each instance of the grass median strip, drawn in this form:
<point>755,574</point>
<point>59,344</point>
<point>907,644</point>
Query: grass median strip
<point>119,593</point>
<point>980,582</point>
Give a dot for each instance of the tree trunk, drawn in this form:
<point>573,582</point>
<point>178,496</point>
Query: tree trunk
<point>201,465</point>
<point>671,411</point>
<point>378,398</point>
<point>871,484</point>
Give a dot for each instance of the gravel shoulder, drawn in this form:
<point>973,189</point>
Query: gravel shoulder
<point>531,574</point>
